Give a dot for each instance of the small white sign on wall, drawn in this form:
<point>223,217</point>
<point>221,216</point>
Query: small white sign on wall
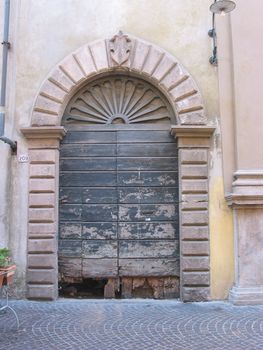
<point>23,158</point>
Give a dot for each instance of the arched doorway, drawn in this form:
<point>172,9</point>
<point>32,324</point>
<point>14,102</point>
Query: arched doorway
<point>118,223</point>
<point>138,59</point>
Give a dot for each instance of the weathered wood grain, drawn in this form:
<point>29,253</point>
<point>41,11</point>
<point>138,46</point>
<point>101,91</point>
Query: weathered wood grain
<point>99,268</point>
<point>148,249</point>
<point>139,178</point>
<point>146,230</point>
<point>148,195</point>
<point>100,213</point>
<point>99,230</point>
<point>88,164</point>
<point>144,136</point>
<point>70,269</point>
<point>147,212</point>
<point>147,150</point>
<point>147,164</point>
<point>88,150</point>
<point>70,230</point>
<point>82,179</point>
<point>149,267</point>
<point>99,249</point>
<point>90,137</point>
<point>69,248</point>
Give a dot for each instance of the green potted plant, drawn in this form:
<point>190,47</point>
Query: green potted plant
<point>7,267</point>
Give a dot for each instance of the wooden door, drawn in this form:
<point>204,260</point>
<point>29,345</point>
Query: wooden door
<point>118,189</point>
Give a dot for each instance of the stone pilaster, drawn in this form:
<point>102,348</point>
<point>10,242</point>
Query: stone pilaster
<point>43,149</point>
<point>193,144</point>
<point>247,203</point>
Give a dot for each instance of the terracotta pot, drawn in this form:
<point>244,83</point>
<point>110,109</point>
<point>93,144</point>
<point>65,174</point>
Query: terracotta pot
<point>8,275</point>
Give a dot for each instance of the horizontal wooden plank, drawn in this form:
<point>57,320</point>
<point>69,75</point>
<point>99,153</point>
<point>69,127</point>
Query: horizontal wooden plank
<point>148,230</point>
<point>135,178</point>
<point>147,164</point>
<point>144,136</point>
<point>70,212</point>
<point>70,195</point>
<point>90,137</point>
<point>70,268</point>
<point>147,150</point>
<point>99,268</point>
<point>149,267</point>
<point>148,212</point>
<point>88,179</point>
<point>88,164</point>
<point>99,249</point>
<point>69,248</point>
<point>69,230</point>
<point>94,212</point>
<point>99,230</point>
<point>79,195</point>
<point>148,195</point>
<point>88,150</point>
<point>148,249</point>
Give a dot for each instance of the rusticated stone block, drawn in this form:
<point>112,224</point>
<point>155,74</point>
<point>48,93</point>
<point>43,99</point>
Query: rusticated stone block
<point>195,248</point>
<point>196,279</point>
<point>152,60</point>
<point>196,294</point>
<point>44,119</point>
<point>45,276</point>
<point>41,229</point>
<point>194,217</point>
<point>42,200</point>
<point>41,215</point>
<point>43,185</point>
<point>99,54</point>
<point>42,170</point>
<point>72,69</point>
<point>193,118</point>
<point>42,292</point>
<point>190,104</point>
<point>194,201</point>
<point>193,156</point>
<point>42,156</point>
<point>194,171</point>
<point>85,60</point>
<point>194,186</point>
<point>175,76</point>
<point>194,232</point>
<point>195,263</point>
<point>53,91</point>
<point>163,68</point>
<point>140,55</point>
<point>60,78</point>
<point>45,104</point>
<point>183,90</point>
<point>45,261</point>
<point>42,246</point>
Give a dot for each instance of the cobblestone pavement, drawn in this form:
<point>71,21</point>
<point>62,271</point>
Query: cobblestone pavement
<point>131,325</point>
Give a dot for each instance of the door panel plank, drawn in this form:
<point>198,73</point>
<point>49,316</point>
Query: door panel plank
<point>149,267</point>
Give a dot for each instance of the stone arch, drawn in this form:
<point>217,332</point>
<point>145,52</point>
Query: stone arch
<point>131,56</point>
<point>104,56</point>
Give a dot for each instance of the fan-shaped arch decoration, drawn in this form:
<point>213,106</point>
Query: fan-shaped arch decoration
<point>118,100</point>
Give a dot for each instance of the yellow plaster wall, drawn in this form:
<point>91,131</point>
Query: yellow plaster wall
<point>45,31</point>
<point>221,241</point>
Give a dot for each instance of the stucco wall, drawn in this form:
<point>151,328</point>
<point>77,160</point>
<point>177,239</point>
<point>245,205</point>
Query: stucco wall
<point>44,32</point>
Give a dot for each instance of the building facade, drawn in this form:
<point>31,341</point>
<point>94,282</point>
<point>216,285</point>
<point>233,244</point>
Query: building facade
<point>138,167</point>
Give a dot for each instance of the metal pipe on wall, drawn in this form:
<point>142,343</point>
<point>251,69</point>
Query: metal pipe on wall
<point>6,46</point>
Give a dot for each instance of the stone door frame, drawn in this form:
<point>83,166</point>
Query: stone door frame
<point>136,57</point>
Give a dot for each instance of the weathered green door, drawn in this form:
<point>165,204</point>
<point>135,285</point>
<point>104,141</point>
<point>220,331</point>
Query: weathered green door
<point>119,208</point>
